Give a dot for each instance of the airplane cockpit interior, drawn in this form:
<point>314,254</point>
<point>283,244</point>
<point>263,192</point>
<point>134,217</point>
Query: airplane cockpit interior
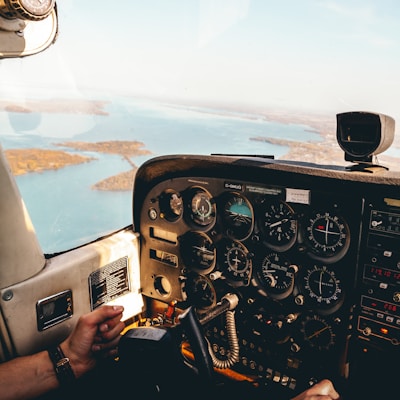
<point>241,275</point>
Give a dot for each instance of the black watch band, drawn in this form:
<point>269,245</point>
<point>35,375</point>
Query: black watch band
<point>61,364</point>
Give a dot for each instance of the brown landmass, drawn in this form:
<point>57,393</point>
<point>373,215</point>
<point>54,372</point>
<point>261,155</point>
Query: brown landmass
<point>127,149</point>
<point>23,161</point>
<point>122,181</point>
<point>124,148</point>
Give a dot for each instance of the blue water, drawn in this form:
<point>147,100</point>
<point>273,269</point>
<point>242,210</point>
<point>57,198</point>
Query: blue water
<point>67,212</point>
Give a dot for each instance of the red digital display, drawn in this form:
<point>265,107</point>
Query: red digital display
<point>379,305</point>
<point>381,274</point>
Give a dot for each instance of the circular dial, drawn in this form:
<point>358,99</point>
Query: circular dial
<point>198,251</point>
<point>317,332</point>
<point>237,261</point>
<point>323,288</point>
<point>171,205</point>
<point>238,215</point>
<point>33,10</point>
<point>328,236</point>
<point>202,209</point>
<point>279,226</point>
<point>276,275</point>
<point>200,291</point>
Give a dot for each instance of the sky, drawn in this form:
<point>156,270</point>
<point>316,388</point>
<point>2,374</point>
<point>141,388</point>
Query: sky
<point>316,55</point>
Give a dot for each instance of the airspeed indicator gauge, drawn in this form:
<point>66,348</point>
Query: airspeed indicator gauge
<point>202,208</point>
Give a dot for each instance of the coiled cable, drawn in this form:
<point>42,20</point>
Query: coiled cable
<point>233,351</point>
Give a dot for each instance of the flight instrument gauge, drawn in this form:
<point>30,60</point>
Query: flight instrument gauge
<point>328,236</point>
<point>237,262</point>
<point>171,205</point>
<point>202,208</point>
<point>317,332</point>
<point>238,216</point>
<point>323,288</point>
<point>198,251</point>
<point>200,291</point>
<point>279,225</point>
<point>276,276</point>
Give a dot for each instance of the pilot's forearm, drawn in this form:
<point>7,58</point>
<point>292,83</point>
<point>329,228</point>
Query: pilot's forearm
<point>27,377</point>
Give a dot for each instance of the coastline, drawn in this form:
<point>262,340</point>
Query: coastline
<point>326,151</point>
<point>24,161</point>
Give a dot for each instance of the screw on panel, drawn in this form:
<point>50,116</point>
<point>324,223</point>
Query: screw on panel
<point>8,295</point>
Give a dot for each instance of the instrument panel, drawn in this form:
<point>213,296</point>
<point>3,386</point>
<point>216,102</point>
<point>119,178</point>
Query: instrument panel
<point>302,252</point>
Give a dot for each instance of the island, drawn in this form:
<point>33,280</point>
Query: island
<point>23,161</point>
<point>120,182</point>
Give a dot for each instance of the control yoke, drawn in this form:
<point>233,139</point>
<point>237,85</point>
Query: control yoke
<point>159,350</point>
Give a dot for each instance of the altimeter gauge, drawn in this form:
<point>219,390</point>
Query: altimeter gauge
<point>279,226</point>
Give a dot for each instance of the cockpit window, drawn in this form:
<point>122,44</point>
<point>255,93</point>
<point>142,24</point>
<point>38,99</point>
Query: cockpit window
<point>126,82</point>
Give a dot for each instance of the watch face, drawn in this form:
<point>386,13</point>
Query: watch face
<point>38,7</point>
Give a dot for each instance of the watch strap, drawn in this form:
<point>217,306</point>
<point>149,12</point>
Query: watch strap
<point>62,366</point>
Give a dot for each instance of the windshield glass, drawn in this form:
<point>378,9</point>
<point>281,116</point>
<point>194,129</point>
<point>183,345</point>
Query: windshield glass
<point>128,81</point>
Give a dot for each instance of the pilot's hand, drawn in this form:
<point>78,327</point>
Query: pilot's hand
<point>323,390</point>
<point>95,334</point>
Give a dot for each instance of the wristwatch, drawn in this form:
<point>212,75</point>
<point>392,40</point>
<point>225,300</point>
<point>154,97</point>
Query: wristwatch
<point>62,366</point>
